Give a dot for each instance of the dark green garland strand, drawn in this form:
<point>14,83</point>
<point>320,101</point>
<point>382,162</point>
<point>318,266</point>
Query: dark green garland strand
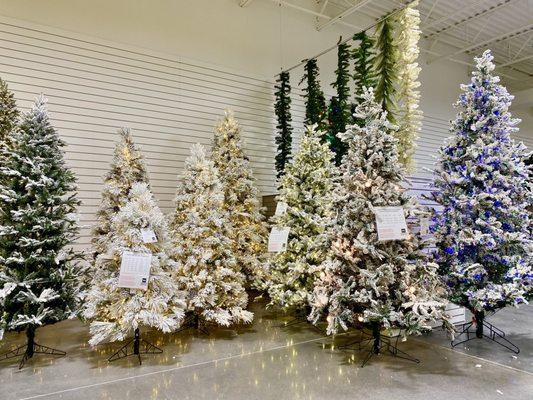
<point>283,113</point>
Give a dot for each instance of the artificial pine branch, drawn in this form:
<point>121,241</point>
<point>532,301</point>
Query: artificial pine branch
<point>364,57</point>
<point>386,68</point>
<point>339,108</point>
<point>283,113</point>
<point>8,112</point>
<point>315,103</point>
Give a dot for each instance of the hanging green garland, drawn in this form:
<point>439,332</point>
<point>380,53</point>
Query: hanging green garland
<point>315,103</point>
<point>283,113</point>
<point>339,107</point>
<point>386,68</point>
<point>364,74</point>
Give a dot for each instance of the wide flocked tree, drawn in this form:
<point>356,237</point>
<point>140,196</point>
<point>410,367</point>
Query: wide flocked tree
<point>38,267</point>
<point>207,268</point>
<point>483,234</point>
<point>127,168</point>
<point>384,283</point>
<point>241,199</point>
<point>305,189</point>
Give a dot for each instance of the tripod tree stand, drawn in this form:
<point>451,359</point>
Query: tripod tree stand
<point>479,328</point>
<point>135,347</point>
<point>29,349</point>
<point>375,343</point>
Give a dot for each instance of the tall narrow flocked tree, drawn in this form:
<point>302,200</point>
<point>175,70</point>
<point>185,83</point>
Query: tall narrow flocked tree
<point>315,102</point>
<point>116,312</point>
<point>382,283</point>
<point>483,234</point>
<point>8,112</point>
<point>127,168</point>
<point>241,198</point>
<point>38,267</point>
<point>386,68</point>
<point>284,127</point>
<point>306,189</point>
<point>339,107</point>
<point>207,269</point>
<point>409,115</point>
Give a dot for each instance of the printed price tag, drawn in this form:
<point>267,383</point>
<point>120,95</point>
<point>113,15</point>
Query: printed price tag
<point>277,240</point>
<point>135,270</point>
<point>424,226</point>
<point>390,223</point>
<point>148,236</point>
<point>281,208</point>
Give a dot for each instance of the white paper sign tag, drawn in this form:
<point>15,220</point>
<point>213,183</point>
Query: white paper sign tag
<point>281,208</point>
<point>277,240</point>
<point>390,223</point>
<point>148,236</point>
<point>134,270</point>
<point>424,226</point>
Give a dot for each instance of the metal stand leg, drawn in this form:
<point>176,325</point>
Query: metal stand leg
<point>31,348</point>
<point>300,318</point>
<point>133,348</point>
<point>484,329</point>
<point>193,322</point>
<point>375,342</point>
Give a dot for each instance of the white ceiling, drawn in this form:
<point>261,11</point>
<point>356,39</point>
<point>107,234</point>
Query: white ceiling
<point>452,29</point>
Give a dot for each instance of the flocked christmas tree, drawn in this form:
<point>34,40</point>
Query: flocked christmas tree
<point>38,267</point>
<point>383,283</point>
<point>386,64</point>
<point>8,112</point>
<point>315,102</point>
<point>409,115</point>
<point>483,234</point>
<point>241,199</point>
<point>207,269</point>
<point>116,312</point>
<point>127,168</point>
<point>339,107</point>
<point>305,189</point>
<point>284,127</point>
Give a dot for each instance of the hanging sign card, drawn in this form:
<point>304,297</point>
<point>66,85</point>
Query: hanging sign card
<point>390,222</point>
<point>135,270</point>
<point>281,208</point>
<point>277,240</point>
<point>148,236</point>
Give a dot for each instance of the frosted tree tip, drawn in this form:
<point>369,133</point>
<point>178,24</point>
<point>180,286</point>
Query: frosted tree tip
<point>484,62</point>
<point>125,133</point>
<point>198,150</point>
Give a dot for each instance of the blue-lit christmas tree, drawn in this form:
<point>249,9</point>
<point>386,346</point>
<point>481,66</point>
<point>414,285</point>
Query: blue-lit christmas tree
<point>483,234</point>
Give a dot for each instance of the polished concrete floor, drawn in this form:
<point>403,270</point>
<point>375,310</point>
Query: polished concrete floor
<point>263,361</point>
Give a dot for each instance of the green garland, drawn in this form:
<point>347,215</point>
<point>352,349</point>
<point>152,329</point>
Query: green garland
<point>283,113</point>
<point>339,107</point>
<point>315,103</point>
<point>386,68</point>
<point>364,57</point>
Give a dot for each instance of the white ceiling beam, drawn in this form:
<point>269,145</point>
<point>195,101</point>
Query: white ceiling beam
<point>343,14</point>
<point>430,11</point>
<point>453,14</point>
<point>514,61</point>
<point>311,12</point>
<point>506,35</point>
<point>526,42</point>
<point>466,20</point>
<point>244,3</point>
<point>324,5</point>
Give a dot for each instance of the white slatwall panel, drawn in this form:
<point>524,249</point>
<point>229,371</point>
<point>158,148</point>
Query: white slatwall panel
<point>94,87</point>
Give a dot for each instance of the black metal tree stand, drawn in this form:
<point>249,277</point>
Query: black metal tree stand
<point>29,349</point>
<point>300,317</point>
<point>135,347</point>
<point>484,329</point>
<point>193,322</point>
<point>375,343</point>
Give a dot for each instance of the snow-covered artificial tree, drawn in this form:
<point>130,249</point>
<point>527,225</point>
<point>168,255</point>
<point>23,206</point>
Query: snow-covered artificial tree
<point>383,283</point>
<point>38,267</point>
<point>116,312</point>
<point>8,112</point>
<point>206,269</point>
<point>483,234</point>
<point>305,189</point>
<point>248,231</point>
<point>127,168</point>
<point>409,115</point>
